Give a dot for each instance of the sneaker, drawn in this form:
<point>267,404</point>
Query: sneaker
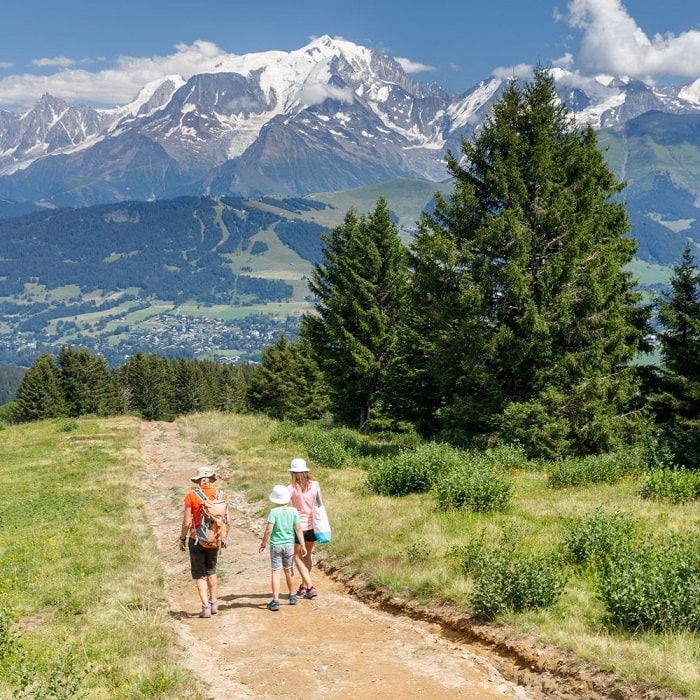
<point>214,605</point>
<point>302,591</point>
<point>273,605</point>
<point>292,599</point>
<point>310,592</point>
<point>206,611</point>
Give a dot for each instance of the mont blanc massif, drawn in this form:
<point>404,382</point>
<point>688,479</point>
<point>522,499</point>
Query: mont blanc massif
<point>329,117</point>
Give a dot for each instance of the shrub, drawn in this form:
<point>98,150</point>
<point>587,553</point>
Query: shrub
<point>418,551</point>
<point>506,577</point>
<point>508,457</point>
<point>321,444</point>
<point>477,486</point>
<point>412,471</point>
<point>676,485</point>
<point>653,585</point>
<point>595,469</point>
<point>592,539</point>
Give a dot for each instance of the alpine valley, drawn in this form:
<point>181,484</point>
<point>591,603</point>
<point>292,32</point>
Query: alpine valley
<point>186,221</point>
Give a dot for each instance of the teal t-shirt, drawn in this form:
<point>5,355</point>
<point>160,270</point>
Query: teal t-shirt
<point>283,519</point>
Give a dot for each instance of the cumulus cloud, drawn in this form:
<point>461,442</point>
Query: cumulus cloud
<point>413,66</point>
<point>612,42</point>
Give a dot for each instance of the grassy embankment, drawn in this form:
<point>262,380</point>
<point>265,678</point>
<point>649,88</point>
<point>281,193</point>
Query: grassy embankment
<point>86,611</point>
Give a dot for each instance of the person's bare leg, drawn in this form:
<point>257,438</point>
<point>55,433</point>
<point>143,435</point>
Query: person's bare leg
<point>289,576</point>
<point>203,590</point>
<point>307,559</point>
<point>275,578</point>
<point>213,586</point>
<point>304,572</point>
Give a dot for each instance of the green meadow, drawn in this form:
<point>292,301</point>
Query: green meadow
<point>83,612</point>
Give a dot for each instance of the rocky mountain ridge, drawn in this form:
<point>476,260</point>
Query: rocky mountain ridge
<point>329,116</point>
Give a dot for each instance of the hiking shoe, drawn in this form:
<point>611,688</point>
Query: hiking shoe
<point>302,591</point>
<point>273,605</point>
<point>206,611</point>
<point>214,605</point>
<point>310,592</point>
<point>292,599</point>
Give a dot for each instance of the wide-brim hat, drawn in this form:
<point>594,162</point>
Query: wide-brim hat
<point>298,465</point>
<point>280,495</point>
<point>204,473</point>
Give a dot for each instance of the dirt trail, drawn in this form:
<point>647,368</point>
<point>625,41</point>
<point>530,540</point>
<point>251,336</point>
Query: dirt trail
<point>331,646</point>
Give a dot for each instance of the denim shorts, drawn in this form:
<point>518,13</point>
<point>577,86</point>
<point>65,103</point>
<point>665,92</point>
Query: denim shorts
<point>282,556</point>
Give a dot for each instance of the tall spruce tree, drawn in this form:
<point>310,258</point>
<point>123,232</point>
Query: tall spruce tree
<point>360,288</point>
<point>679,313</point>
<point>287,384</point>
<point>87,384</point>
<point>522,319</point>
<point>40,395</point>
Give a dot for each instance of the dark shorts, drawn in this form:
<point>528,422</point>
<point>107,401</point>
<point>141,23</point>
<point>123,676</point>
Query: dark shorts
<point>202,560</point>
<point>309,536</point>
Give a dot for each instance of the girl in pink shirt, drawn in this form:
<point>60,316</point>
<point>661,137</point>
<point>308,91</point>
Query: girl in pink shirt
<point>303,490</point>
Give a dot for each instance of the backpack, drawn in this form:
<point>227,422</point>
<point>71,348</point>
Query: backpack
<point>212,532</point>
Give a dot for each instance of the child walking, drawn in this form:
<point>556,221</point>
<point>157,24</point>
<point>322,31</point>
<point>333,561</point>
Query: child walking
<point>282,523</point>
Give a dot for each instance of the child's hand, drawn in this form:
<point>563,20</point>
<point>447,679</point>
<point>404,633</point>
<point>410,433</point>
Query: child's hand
<point>302,549</point>
<point>260,550</point>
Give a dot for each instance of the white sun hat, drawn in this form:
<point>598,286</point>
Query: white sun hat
<point>280,495</point>
<point>298,465</point>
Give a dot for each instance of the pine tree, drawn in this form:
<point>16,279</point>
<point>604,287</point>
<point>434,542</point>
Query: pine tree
<point>40,395</point>
<point>287,383</point>
<point>523,321</point>
<point>679,313</point>
<point>147,383</point>
<point>87,384</point>
<point>360,288</point>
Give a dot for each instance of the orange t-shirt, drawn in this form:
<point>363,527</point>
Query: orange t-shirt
<point>193,501</point>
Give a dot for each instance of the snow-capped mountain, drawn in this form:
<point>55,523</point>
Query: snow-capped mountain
<point>329,116</point>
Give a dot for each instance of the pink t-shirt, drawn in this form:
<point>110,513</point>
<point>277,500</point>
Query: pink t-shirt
<point>303,501</point>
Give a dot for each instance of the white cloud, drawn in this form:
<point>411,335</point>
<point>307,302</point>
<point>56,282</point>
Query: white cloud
<point>111,86</point>
<point>612,42</point>
<point>413,66</point>
<point>316,93</point>
<point>522,71</point>
<point>59,62</point>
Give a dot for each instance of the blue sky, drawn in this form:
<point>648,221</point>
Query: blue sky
<point>102,53</point>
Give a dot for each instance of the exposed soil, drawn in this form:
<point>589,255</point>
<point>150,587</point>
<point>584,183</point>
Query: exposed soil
<point>347,642</point>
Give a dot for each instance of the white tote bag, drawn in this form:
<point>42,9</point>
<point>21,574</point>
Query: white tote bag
<point>322,526</point>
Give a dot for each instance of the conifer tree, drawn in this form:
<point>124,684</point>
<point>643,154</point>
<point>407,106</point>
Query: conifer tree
<point>359,288</point>
<point>287,383</point>
<point>87,384</point>
<point>40,395</point>
<point>522,319</point>
<point>147,384</point>
<point>679,313</point>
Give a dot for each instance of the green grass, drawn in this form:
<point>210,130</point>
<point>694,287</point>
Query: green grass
<point>403,545</point>
<point>82,609</point>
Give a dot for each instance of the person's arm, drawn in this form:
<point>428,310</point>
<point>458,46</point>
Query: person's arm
<point>186,525</point>
<point>266,537</point>
<point>300,537</point>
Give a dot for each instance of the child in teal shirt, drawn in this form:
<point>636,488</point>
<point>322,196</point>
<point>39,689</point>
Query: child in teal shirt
<point>282,523</point>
